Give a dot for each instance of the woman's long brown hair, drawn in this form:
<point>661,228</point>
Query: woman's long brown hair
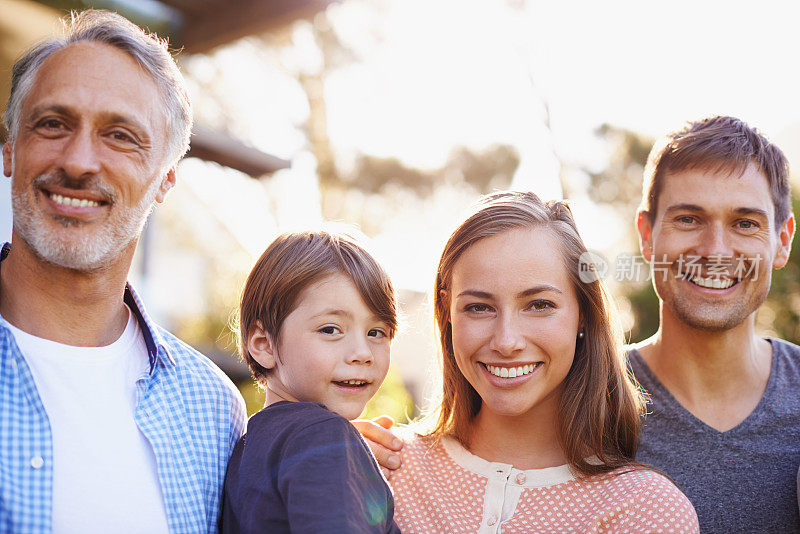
<point>600,409</point>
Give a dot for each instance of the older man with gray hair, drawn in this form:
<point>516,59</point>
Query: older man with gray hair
<point>107,422</point>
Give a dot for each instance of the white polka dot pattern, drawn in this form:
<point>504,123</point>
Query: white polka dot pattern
<point>435,494</point>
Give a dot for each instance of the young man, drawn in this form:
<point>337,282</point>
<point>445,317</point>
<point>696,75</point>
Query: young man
<point>107,422</point>
<point>724,421</point>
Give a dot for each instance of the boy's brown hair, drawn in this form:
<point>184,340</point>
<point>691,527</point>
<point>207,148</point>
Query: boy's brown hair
<point>717,143</point>
<point>293,262</point>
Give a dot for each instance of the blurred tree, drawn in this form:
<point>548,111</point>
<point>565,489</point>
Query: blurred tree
<point>620,183</point>
<point>491,168</point>
<point>333,54</point>
<point>620,186</point>
<point>486,169</point>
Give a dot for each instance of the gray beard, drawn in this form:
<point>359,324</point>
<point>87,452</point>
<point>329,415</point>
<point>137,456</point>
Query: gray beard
<point>92,253</point>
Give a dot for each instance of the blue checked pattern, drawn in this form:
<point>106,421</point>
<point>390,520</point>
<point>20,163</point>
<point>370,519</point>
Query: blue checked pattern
<point>187,408</point>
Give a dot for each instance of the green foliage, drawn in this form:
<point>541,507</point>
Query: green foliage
<point>392,399</point>
<point>780,314</point>
<point>490,168</point>
<point>620,183</point>
<point>620,186</point>
<point>644,304</point>
<point>253,396</point>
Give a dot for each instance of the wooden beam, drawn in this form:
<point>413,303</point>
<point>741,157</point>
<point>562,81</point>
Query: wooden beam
<point>245,17</point>
<point>212,145</point>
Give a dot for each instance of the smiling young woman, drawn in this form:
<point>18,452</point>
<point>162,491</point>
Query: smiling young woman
<point>538,422</point>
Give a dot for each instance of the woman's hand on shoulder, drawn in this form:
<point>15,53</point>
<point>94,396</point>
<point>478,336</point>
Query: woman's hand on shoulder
<point>384,443</point>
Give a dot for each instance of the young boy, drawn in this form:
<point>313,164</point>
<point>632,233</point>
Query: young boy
<point>316,320</point>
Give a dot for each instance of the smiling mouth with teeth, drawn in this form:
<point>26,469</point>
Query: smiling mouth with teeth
<point>712,282</point>
<point>73,202</point>
<point>512,372</point>
<point>351,383</point>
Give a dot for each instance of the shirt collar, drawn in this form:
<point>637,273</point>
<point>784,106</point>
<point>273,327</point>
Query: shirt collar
<point>152,336</point>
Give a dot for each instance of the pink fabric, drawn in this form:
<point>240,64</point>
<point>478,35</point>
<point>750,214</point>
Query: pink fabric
<point>434,493</point>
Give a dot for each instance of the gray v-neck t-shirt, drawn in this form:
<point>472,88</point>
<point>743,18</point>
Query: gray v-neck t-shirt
<point>741,480</point>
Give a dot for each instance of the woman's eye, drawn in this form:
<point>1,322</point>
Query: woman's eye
<point>542,305</point>
<point>477,308</point>
<point>329,330</point>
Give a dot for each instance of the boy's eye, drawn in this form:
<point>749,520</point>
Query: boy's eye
<point>377,332</point>
<point>330,330</point>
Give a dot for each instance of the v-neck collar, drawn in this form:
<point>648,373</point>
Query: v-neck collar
<point>640,367</point>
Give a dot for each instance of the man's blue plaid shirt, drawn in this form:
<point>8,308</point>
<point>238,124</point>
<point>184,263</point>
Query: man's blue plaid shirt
<point>190,412</point>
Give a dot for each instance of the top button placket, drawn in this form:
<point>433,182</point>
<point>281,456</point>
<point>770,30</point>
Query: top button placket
<point>495,499</point>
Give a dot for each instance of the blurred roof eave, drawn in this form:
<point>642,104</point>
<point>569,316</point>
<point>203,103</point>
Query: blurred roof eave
<point>211,23</point>
<point>197,26</point>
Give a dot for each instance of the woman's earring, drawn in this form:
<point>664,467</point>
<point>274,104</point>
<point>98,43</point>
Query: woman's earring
<point>580,334</point>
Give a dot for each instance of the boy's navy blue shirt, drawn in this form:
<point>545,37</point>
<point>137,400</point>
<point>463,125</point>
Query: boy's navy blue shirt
<point>304,469</point>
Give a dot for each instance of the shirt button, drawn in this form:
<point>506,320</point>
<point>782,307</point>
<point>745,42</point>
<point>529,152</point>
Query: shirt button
<point>37,462</point>
<point>521,478</point>
<point>492,520</point>
<point>14,364</point>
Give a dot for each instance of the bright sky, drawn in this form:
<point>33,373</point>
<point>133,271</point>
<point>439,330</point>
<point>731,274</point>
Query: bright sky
<point>452,71</point>
<point>434,74</point>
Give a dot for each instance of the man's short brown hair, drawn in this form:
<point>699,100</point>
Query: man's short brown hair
<point>721,144</point>
<point>293,262</point>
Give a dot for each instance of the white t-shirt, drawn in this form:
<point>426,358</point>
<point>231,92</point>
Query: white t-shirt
<point>104,470</point>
